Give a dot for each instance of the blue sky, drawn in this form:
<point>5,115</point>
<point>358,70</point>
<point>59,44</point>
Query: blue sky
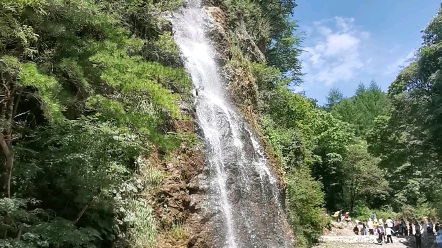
<point>352,41</point>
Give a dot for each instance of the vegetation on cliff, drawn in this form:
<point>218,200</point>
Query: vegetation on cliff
<point>88,88</point>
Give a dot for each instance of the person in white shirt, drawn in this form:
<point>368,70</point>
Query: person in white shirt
<point>381,224</point>
<point>389,222</point>
<point>370,227</point>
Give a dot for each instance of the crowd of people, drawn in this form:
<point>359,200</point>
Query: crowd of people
<point>385,230</point>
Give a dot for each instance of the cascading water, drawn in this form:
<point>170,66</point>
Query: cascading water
<point>243,199</point>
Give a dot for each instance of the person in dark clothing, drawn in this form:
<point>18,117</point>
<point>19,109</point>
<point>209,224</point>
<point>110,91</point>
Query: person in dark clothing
<point>410,227</point>
<point>389,232</point>
<point>402,227</point>
<point>418,236</point>
<point>437,226</point>
<point>356,230</point>
<point>380,235</point>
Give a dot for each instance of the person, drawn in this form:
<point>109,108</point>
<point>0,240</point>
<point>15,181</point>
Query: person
<point>418,235</point>
<point>410,228</point>
<point>370,227</point>
<point>364,229</point>
<point>347,217</point>
<point>437,227</point>
<point>339,216</point>
<point>430,227</point>
<point>402,227</point>
<point>388,232</point>
<point>424,232</point>
<point>380,235</point>
<point>389,222</point>
<point>381,222</point>
<point>396,226</point>
<point>335,215</point>
<point>356,230</point>
<point>439,238</point>
<point>405,229</point>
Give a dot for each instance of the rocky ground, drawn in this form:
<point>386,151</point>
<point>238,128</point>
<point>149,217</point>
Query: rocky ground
<point>341,236</point>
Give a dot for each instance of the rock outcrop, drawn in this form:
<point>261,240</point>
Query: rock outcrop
<point>179,199</point>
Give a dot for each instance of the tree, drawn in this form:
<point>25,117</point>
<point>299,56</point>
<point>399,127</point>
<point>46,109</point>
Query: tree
<point>334,96</point>
<point>362,176</point>
<point>361,109</point>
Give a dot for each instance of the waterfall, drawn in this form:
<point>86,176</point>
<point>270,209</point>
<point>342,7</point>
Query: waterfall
<point>243,199</point>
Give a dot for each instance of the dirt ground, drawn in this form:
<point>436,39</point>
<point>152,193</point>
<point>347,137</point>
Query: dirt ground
<point>343,245</point>
<point>369,245</point>
<point>342,236</point>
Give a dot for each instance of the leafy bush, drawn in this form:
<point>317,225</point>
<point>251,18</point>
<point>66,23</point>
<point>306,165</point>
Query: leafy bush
<point>304,200</point>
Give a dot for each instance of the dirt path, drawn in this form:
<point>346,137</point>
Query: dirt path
<point>341,236</point>
<point>368,242</point>
<point>363,242</point>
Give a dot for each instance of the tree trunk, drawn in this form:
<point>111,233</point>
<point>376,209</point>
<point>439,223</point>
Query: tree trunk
<point>7,116</point>
<point>6,169</point>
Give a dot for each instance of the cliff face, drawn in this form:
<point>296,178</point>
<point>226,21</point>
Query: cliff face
<point>180,198</point>
<point>178,201</point>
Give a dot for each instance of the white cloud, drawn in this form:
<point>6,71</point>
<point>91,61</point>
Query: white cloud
<point>336,53</point>
<point>396,66</point>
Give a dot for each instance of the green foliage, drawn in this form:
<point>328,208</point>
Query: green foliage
<point>361,109</point>
<point>47,88</point>
<point>334,96</point>
<point>363,213</point>
<point>151,176</point>
<point>176,232</point>
<point>407,137</point>
<point>143,225</point>
<point>266,26</point>
<point>296,130</point>
<point>362,175</point>
<point>163,49</point>
<point>304,199</point>
<point>87,94</point>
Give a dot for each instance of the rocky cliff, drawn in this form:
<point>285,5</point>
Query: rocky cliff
<point>179,199</point>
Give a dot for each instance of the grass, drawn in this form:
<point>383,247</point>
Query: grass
<point>143,232</point>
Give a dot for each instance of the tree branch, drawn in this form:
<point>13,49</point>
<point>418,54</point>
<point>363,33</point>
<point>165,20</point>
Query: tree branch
<point>82,212</point>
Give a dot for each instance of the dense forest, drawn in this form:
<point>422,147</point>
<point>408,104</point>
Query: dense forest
<point>91,88</point>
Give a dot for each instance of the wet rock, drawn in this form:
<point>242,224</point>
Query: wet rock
<point>216,31</point>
